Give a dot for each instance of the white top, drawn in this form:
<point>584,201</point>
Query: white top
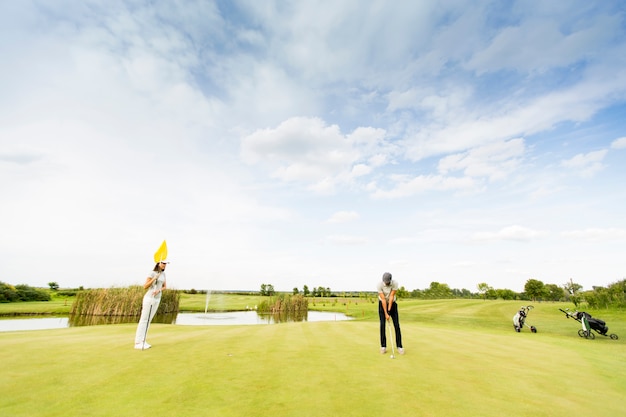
<point>156,285</point>
<point>386,289</point>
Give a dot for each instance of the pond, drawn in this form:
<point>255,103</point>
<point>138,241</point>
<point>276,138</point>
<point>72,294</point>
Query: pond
<point>183,319</point>
<point>249,317</point>
<point>9,325</point>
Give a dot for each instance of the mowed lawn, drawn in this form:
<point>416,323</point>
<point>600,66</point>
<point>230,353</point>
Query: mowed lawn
<point>462,359</point>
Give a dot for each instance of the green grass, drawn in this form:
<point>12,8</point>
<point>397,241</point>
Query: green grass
<point>219,302</point>
<point>60,306</point>
<point>463,359</point>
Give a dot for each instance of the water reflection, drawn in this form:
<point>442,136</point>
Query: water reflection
<point>81,320</point>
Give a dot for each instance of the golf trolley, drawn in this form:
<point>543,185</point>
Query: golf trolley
<point>588,324</point>
<point>519,319</point>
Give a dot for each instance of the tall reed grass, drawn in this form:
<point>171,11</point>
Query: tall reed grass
<point>284,307</point>
<point>120,302</point>
<point>284,303</point>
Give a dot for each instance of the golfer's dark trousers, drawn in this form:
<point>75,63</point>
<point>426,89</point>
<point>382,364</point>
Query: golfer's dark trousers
<point>383,324</point>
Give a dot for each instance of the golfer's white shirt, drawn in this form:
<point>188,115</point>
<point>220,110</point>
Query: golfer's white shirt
<point>386,289</point>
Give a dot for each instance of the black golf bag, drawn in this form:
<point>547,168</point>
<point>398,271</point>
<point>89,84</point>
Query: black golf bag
<point>596,324</point>
<point>588,324</point>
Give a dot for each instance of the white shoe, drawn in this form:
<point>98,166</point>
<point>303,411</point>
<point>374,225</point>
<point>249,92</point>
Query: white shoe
<point>383,350</point>
<point>401,351</point>
<point>141,346</point>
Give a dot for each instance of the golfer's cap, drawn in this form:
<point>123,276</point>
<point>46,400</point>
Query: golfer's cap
<point>386,277</point>
<point>164,262</point>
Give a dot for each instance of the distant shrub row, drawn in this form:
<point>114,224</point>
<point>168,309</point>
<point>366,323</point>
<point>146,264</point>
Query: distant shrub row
<point>10,293</point>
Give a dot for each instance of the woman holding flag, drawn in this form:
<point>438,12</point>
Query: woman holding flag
<point>155,284</point>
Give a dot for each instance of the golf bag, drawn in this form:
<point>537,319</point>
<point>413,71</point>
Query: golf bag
<point>519,319</point>
<point>589,323</point>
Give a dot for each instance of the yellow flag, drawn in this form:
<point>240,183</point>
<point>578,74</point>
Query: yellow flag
<point>161,254</point>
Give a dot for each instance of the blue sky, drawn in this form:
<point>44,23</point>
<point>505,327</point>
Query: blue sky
<point>315,143</point>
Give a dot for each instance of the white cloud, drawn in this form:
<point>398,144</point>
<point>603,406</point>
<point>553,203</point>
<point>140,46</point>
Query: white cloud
<point>405,186</point>
<point>403,241</point>
<point>596,234</point>
<point>540,44</point>
<point>494,160</point>
<point>16,154</point>
<point>514,233</point>
<point>619,143</point>
<point>360,170</point>
<point>347,240</point>
<point>511,117</point>
<point>586,164</point>
<point>307,150</point>
<point>343,217</point>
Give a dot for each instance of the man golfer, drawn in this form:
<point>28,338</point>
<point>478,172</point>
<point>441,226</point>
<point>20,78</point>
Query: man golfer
<point>388,309</point>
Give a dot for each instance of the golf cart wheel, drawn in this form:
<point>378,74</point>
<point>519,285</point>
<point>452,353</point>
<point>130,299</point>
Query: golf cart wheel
<point>581,333</point>
<point>533,329</point>
<point>614,336</point>
<point>590,335</point>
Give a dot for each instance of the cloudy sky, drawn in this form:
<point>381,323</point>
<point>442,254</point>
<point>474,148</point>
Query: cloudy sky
<point>313,142</point>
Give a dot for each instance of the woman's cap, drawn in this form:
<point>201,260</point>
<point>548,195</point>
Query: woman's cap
<point>164,262</point>
<point>386,277</point>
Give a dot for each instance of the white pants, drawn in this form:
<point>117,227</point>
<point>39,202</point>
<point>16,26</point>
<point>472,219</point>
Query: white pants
<point>149,308</point>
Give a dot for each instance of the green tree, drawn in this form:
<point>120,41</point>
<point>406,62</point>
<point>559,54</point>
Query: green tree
<point>461,293</point>
<point>573,291</point>
<point>7,293</point>
<point>305,290</point>
<point>506,294</point>
<point>417,293</point>
<point>402,292</point>
<point>28,293</point>
<point>600,297</point>
<point>554,292</point>
<point>295,291</point>
<point>483,287</point>
<point>534,289</point>
<point>618,293</point>
<point>438,290</point>
<point>53,286</point>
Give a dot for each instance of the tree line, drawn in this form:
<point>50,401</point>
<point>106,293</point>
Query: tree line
<point>613,295</point>
<point>534,290</point>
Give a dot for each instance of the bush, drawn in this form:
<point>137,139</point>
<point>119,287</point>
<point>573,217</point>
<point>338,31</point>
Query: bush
<point>67,293</point>
<point>28,293</point>
<point>9,293</point>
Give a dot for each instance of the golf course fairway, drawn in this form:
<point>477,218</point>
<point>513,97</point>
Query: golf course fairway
<point>462,358</point>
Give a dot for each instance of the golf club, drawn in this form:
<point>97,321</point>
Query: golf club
<point>147,325</point>
<point>393,352</point>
